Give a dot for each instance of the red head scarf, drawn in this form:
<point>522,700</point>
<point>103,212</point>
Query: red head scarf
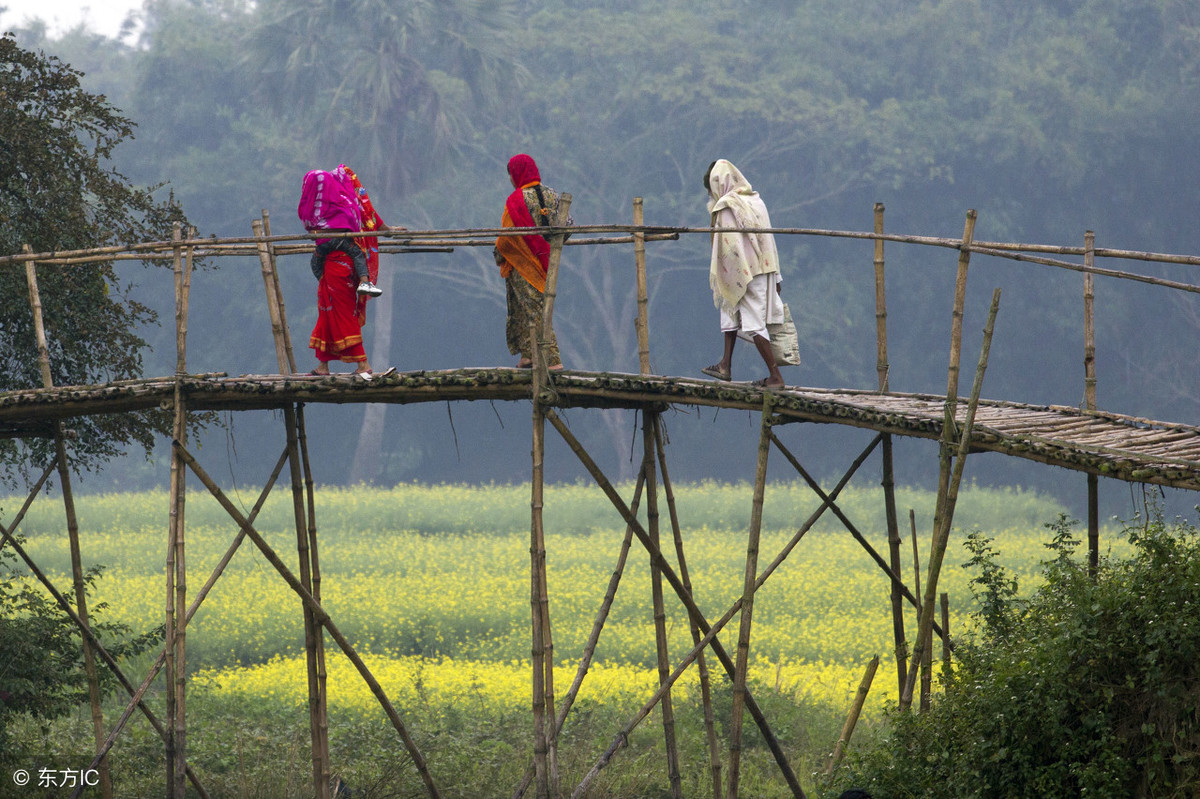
<point>524,172</point>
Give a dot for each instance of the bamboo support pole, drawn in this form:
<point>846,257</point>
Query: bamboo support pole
<point>33,492</point>
<point>860,698</point>
<point>894,577</point>
<point>182,267</point>
<point>945,511</point>
<point>217,571</point>
<point>895,561</point>
<point>313,639</point>
<point>1089,383</point>
<point>275,295</point>
<point>956,320</point>
<point>310,501</point>
<point>643,298</point>
<point>589,649</point>
<point>912,521</point>
<point>926,694</point>
<point>537,560</point>
<point>649,426</point>
<point>882,368</point>
<point>710,730</point>
<point>278,334</point>
<point>748,590</point>
<point>318,611</point>
<point>545,650</point>
<point>947,650</point>
<point>312,630</point>
<point>669,574</point>
<point>68,497</point>
<point>277,291</point>
<point>881,354</point>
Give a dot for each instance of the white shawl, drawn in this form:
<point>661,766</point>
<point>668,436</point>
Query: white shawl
<point>737,257</point>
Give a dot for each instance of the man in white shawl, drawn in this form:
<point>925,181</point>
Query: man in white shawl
<point>744,270</point>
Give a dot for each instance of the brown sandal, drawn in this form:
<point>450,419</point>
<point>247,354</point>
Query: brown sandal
<point>715,371</point>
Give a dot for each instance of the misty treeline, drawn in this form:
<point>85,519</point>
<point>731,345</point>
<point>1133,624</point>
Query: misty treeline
<point>1048,118</point>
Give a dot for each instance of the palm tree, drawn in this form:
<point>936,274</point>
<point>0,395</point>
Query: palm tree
<point>392,87</point>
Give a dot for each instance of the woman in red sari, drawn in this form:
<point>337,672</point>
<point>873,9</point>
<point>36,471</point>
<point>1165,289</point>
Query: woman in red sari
<point>341,300</point>
<point>523,260</point>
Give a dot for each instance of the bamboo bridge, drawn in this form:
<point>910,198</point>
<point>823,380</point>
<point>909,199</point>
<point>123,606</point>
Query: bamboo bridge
<point>1084,439</point>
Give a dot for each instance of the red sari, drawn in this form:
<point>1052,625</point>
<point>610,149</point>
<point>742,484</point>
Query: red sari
<point>341,310</point>
<point>337,335</point>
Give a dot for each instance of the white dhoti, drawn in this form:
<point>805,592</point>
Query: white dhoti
<point>760,306</point>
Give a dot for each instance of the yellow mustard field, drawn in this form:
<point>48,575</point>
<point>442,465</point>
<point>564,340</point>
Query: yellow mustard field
<point>433,583</point>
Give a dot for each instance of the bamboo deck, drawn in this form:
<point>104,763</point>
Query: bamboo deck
<point>1108,444</point>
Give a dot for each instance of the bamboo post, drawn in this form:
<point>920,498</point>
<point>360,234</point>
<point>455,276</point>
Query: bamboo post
<point>882,369</point>
<point>273,308</point>
<point>710,730</point>
<point>312,630</point>
<point>895,561</point>
<point>881,354</point>
<point>926,696</point>
<point>1089,383</point>
<point>956,321</point>
<point>309,492</point>
<point>64,478</point>
<point>176,632</point>
<point>856,707</point>
<point>649,425</point>
<point>589,649</point>
<point>276,291</point>
<point>322,617</point>
<point>313,638</point>
<point>912,521</point>
<point>947,650</point>
<point>945,511</point>
<point>748,589</point>
<point>537,560</point>
<point>643,299</point>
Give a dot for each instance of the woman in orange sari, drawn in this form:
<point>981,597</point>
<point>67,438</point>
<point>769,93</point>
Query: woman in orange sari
<point>523,260</point>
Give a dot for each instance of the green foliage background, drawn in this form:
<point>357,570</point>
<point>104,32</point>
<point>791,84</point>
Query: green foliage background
<point>1048,118</point>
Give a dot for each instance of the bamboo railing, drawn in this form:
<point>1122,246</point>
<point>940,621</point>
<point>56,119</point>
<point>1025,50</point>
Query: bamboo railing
<point>41,412</point>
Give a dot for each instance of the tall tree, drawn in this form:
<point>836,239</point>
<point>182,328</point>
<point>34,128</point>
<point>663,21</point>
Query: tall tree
<point>57,192</point>
<point>391,89</point>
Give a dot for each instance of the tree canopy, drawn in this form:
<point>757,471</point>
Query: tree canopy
<point>59,191</point>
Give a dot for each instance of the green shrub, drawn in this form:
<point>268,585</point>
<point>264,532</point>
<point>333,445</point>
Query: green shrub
<point>1089,687</point>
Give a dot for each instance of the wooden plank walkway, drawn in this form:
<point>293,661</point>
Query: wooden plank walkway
<point>1109,444</point>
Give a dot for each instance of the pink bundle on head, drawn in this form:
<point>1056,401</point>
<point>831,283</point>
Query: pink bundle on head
<point>328,201</point>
